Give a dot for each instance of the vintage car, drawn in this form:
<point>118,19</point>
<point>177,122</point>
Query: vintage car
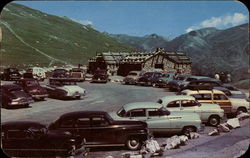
<point>78,74</point>
<point>229,105</point>
<point>32,139</point>
<point>132,77</point>
<point>209,113</point>
<point>64,88</point>
<point>149,78</point>
<point>14,96</point>
<point>100,76</point>
<point>60,73</point>
<point>99,129</point>
<point>38,73</point>
<point>33,87</point>
<point>163,81</point>
<point>181,80</point>
<point>159,119</point>
<point>11,74</point>
<point>207,84</point>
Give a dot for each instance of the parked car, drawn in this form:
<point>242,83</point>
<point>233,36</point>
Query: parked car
<point>149,78</point>
<point>234,92</point>
<point>229,105</point>
<point>14,96</point>
<point>64,88</point>
<point>33,87</point>
<point>165,79</point>
<point>209,113</point>
<point>60,73</point>
<point>181,81</point>
<point>159,119</point>
<point>38,73</point>
<point>100,129</point>
<point>100,76</point>
<point>32,139</point>
<point>132,77</point>
<point>207,84</point>
<point>11,74</point>
<point>78,74</point>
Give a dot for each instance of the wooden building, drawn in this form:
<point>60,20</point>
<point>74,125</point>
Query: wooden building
<point>159,60</point>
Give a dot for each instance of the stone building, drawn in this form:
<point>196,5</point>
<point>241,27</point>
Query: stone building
<point>159,60</point>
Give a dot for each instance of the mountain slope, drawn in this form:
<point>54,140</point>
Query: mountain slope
<point>213,50</point>
<point>33,37</point>
<point>145,43</point>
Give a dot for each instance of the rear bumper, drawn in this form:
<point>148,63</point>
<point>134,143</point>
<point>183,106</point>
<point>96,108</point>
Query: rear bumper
<point>39,96</point>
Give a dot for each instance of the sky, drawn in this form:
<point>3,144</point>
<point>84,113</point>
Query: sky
<point>139,18</point>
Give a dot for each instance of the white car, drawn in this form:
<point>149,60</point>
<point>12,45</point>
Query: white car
<point>64,88</point>
<point>209,113</point>
<point>159,119</point>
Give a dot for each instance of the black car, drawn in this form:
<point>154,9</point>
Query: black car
<point>99,129</point>
<point>60,73</point>
<point>100,76</point>
<point>149,78</point>
<point>14,96</point>
<point>208,84</point>
<point>11,74</point>
<point>32,139</point>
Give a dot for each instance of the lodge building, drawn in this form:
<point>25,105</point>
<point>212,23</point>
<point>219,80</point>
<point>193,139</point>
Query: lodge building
<point>159,60</point>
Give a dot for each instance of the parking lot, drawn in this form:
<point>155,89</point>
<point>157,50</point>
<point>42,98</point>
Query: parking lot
<point>110,97</point>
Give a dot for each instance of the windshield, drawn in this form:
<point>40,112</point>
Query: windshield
<point>121,112</point>
<point>13,70</point>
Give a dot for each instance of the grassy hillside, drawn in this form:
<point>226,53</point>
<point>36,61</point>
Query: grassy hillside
<point>33,37</point>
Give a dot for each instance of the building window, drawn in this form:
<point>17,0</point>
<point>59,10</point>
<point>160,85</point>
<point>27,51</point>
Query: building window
<point>159,66</point>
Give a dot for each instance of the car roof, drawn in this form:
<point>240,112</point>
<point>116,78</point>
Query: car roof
<point>27,79</point>
<point>177,97</point>
<point>82,113</point>
<point>139,105</point>
<point>187,91</point>
<point>21,125</point>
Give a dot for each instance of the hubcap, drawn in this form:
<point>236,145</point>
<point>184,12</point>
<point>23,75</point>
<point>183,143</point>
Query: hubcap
<point>133,142</point>
<point>213,121</point>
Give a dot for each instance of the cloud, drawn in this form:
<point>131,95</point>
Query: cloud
<point>221,22</point>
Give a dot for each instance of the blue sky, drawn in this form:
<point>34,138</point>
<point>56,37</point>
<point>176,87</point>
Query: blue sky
<point>139,18</point>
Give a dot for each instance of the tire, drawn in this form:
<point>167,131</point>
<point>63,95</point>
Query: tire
<point>133,143</point>
<point>240,110</point>
<point>186,130</point>
<point>214,120</point>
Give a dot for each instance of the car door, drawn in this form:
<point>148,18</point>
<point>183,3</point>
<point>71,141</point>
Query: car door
<point>157,121</point>
<point>203,98</point>
<point>188,106</point>
<point>103,133</point>
<point>82,127</point>
<point>224,102</point>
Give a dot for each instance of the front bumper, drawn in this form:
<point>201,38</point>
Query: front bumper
<point>40,96</point>
<point>22,102</point>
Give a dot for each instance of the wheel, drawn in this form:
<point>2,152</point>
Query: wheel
<point>214,120</point>
<point>72,151</point>
<point>186,130</point>
<point>133,143</point>
<point>241,110</point>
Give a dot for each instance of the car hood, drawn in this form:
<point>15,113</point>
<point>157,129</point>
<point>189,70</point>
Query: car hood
<point>72,88</point>
<point>131,77</point>
<point>20,94</point>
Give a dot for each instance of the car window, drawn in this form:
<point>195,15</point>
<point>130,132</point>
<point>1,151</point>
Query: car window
<point>138,113</point>
<point>155,112</point>
<point>173,104</point>
<point>202,96</point>
<point>83,122</point>
<point>188,103</point>
<point>18,134</point>
<point>67,123</point>
<point>99,121</point>
<point>220,97</point>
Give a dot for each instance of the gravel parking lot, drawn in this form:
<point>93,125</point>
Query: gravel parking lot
<point>110,97</point>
